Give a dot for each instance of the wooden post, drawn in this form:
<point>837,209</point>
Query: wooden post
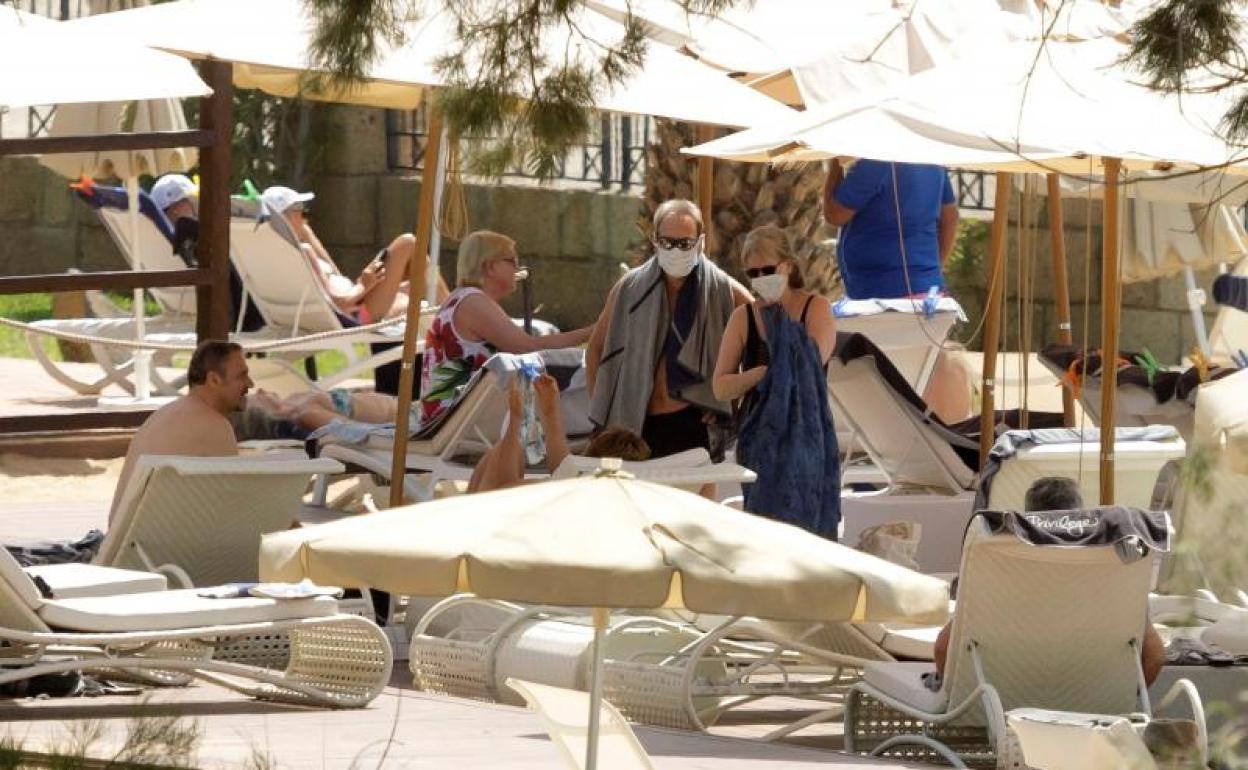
<point>992,314</point>
<point>704,187</point>
<point>1061,286</point>
<point>216,114</point>
<point>1111,306</point>
<point>416,278</point>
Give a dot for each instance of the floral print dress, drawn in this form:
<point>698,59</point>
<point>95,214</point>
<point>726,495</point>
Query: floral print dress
<point>450,360</point>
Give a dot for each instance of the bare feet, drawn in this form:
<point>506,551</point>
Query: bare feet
<point>547,391</point>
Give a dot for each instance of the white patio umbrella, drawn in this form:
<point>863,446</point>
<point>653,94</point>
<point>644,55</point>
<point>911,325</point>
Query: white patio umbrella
<point>606,543</point>
<point>59,66</point>
<point>268,41</point>
<point>812,52</point>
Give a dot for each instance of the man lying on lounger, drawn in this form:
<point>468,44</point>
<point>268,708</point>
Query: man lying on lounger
<point>195,424</point>
<point>1058,493</point>
<point>503,465</point>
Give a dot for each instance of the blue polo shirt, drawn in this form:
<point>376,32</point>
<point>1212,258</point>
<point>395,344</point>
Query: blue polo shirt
<point>869,254</point>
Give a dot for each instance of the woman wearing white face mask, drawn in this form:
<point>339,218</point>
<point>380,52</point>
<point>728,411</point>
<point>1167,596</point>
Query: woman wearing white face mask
<point>771,363</point>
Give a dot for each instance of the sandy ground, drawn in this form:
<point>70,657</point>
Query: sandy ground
<point>46,480</point>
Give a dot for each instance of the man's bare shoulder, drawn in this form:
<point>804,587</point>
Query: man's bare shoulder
<point>183,426</point>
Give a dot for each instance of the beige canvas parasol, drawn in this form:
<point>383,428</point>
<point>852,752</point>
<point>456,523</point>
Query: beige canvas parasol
<point>606,542</point>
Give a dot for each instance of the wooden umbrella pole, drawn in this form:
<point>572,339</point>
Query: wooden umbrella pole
<point>1061,286</point>
<point>992,314</point>
<point>416,278</point>
<point>1111,305</point>
<point>705,186</point>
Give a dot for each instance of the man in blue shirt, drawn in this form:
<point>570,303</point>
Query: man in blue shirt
<point>866,202</point>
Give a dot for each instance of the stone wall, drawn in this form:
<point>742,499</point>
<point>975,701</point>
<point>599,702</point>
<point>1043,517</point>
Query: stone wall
<point>44,228</point>
<point>574,240</point>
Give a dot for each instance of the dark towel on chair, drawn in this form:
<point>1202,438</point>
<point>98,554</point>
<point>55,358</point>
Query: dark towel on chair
<point>788,438</point>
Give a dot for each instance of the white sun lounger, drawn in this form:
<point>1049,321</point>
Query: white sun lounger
<point>1021,457</point>
<point>199,520</point>
<point>1026,633</point>
<point>280,281</point>
<point>449,449</point>
<point>169,637</point>
<point>666,671</point>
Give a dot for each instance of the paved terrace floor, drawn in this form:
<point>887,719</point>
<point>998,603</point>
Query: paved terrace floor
<point>409,729</point>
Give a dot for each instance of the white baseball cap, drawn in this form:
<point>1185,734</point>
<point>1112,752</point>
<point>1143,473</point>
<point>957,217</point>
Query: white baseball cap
<point>171,188</point>
<point>277,199</point>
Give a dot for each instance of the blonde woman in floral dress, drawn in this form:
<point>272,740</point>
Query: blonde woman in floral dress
<point>470,326</point>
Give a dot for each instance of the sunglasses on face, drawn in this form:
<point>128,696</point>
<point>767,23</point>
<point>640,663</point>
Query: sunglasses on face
<point>676,243</point>
<point>759,272</point>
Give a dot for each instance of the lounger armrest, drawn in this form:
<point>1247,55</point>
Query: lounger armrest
<point>1186,689</point>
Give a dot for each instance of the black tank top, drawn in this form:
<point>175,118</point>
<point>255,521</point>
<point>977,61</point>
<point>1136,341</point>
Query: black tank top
<point>757,353</point>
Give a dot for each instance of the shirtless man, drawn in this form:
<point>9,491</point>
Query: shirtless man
<point>194,424</point>
<point>652,354</point>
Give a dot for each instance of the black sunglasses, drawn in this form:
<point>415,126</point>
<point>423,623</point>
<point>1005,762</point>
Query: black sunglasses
<point>676,243</point>
<point>759,272</point>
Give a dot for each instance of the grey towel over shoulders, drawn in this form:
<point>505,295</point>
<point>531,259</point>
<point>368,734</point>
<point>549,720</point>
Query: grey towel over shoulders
<point>635,339</point>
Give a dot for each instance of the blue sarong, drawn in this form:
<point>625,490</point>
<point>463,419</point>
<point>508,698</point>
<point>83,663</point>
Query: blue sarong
<point>788,438</point>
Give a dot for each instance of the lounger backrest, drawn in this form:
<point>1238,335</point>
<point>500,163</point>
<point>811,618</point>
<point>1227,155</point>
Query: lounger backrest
<point>476,421</point>
<point>19,598</point>
<point>206,515</point>
<point>279,279</point>
<point>899,437</point>
<point>1137,461</point>
<point>156,254</point>
<point>1053,625</point>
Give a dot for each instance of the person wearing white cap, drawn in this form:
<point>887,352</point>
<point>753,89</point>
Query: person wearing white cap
<point>175,195</point>
<point>380,291</point>
<point>172,194</point>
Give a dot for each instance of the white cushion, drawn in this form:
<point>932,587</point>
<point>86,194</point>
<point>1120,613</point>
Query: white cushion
<point>172,610</point>
<point>74,581</point>
<point>904,681</point>
<point>1229,635</point>
<point>914,642</point>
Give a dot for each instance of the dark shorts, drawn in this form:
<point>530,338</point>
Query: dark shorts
<point>668,434</point>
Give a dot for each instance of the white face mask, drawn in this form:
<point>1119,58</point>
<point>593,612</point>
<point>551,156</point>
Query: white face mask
<point>679,263</point>
<point>769,287</point>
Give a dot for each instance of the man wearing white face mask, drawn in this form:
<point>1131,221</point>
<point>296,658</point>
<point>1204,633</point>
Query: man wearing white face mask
<point>653,350</point>
<point>771,363</point>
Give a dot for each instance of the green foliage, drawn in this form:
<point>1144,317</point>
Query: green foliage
<point>969,250</point>
<point>24,308</point>
<point>1194,45</point>
<point>505,81</point>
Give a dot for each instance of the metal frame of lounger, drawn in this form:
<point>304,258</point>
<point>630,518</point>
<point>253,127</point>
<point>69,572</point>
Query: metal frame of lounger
<point>335,661</point>
<point>1001,658</point>
<point>199,520</point>
<point>718,664</point>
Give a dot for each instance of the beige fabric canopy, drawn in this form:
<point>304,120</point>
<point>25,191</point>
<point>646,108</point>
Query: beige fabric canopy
<point>606,542</point>
<point>270,38</point>
<point>115,117</point>
<point>59,65</point>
